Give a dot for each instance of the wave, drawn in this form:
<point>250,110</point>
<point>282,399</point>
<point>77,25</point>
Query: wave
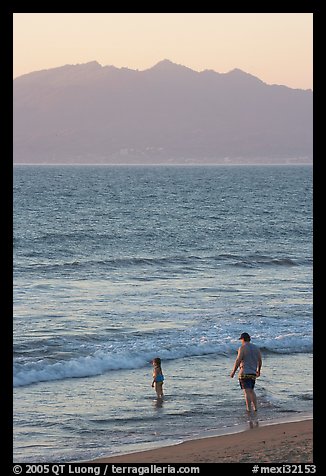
<point>249,261</point>
<point>306,396</point>
<point>115,262</point>
<point>98,363</point>
<point>101,362</point>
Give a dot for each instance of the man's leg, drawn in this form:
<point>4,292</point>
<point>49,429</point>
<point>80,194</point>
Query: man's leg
<point>252,398</point>
<point>247,397</point>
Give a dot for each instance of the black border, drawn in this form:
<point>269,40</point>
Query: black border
<point>7,187</point>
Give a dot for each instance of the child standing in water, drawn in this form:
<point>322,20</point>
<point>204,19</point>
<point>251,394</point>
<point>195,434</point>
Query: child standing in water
<point>158,377</point>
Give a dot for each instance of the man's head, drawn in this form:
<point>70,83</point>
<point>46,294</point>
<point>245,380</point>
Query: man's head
<point>245,337</point>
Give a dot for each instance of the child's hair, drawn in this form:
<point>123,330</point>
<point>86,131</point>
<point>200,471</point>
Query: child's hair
<point>157,361</point>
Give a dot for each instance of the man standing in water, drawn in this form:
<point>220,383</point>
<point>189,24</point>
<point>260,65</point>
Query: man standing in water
<point>249,360</point>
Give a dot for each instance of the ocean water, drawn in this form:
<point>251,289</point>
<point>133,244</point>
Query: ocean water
<point>116,265</point>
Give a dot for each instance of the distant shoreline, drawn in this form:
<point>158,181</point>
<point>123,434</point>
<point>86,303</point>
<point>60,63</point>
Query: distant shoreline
<point>145,164</point>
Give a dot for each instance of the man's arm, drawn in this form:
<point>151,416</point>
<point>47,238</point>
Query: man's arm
<point>259,364</point>
<point>237,362</point>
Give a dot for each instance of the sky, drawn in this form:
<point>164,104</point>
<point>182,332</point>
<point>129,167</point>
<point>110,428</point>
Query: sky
<point>276,47</point>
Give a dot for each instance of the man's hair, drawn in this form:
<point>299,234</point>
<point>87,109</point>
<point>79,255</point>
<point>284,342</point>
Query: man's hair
<point>245,336</point>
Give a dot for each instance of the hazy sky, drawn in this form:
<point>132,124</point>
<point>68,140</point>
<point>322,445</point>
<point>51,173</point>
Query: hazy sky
<point>276,47</point>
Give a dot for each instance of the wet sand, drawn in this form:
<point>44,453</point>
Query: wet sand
<point>278,443</point>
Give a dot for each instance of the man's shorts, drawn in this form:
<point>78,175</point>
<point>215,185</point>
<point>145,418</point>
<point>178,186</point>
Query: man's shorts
<point>247,382</point>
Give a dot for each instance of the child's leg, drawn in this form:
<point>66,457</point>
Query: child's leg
<point>159,389</point>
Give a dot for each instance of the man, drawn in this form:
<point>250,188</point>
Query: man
<point>249,360</point>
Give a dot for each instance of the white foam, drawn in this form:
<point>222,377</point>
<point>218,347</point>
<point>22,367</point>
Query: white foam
<point>102,361</point>
<point>99,363</point>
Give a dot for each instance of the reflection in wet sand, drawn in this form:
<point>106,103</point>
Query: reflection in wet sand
<point>253,420</point>
<point>158,403</point>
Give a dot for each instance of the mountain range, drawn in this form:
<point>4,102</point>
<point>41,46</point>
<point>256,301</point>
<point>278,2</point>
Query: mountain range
<point>88,113</point>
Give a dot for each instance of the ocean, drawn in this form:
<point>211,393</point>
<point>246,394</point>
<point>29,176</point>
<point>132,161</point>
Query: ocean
<point>115,265</point>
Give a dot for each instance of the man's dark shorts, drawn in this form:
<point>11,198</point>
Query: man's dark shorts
<point>247,383</point>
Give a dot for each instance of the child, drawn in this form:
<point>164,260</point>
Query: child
<point>158,377</point>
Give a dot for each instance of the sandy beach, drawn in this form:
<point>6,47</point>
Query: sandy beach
<point>278,443</point>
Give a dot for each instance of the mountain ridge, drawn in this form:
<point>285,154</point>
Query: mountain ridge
<point>164,64</point>
<point>169,113</point>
